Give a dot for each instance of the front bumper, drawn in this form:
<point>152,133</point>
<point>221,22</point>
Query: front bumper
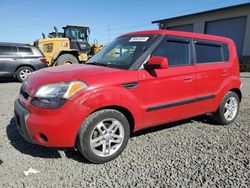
<point>21,114</point>
<point>51,128</point>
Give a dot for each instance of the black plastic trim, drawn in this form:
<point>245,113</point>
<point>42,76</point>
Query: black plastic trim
<point>168,105</point>
<point>20,113</point>
<point>130,85</point>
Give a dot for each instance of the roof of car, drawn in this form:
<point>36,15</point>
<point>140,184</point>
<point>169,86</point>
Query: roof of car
<point>13,44</point>
<point>180,34</point>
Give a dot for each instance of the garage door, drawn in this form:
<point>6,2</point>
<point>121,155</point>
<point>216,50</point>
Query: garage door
<point>188,28</point>
<point>233,28</point>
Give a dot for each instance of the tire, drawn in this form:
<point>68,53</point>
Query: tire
<point>96,142</point>
<point>23,72</point>
<point>66,59</point>
<point>229,105</point>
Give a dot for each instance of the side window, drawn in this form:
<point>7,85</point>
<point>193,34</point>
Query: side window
<point>177,52</point>
<point>208,52</point>
<point>225,50</point>
<point>25,51</point>
<point>6,50</point>
<point>14,51</point>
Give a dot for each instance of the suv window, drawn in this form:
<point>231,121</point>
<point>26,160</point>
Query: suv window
<point>25,50</point>
<point>207,52</point>
<point>6,50</point>
<point>177,51</point>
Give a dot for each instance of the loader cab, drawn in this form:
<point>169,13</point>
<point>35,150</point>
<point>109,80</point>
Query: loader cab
<point>78,36</point>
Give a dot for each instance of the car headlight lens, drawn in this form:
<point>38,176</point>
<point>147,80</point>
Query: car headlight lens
<point>55,95</point>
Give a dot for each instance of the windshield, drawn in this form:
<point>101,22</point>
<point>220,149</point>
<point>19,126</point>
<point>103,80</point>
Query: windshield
<point>122,52</point>
<point>77,34</point>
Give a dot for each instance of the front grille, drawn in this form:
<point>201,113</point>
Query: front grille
<point>24,93</point>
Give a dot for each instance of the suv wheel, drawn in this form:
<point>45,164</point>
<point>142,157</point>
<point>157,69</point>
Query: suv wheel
<point>103,136</point>
<point>23,72</point>
<point>66,59</point>
<point>228,109</point>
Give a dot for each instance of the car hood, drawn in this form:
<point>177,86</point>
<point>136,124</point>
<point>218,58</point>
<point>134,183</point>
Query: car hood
<point>90,74</point>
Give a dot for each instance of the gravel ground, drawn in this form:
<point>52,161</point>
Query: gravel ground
<point>189,153</point>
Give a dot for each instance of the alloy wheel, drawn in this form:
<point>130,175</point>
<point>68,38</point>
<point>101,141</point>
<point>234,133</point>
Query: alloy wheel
<point>107,137</point>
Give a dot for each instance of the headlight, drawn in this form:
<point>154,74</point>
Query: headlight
<point>55,95</point>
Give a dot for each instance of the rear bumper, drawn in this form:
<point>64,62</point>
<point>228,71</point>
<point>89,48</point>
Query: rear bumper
<point>39,65</point>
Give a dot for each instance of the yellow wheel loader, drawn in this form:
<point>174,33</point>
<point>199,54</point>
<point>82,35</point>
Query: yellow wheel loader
<point>69,47</point>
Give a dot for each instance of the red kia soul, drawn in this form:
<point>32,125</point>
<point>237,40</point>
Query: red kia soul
<point>139,80</point>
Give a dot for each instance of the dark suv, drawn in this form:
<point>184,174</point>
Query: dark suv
<point>19,60</point>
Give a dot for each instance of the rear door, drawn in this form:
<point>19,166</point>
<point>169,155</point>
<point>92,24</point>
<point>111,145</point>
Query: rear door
<point>168,94</point>
<point>212,68</point>
<point>8,60</point>
<point>25,55</point>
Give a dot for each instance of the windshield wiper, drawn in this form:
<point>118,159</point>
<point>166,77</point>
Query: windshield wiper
<point>96,63</point>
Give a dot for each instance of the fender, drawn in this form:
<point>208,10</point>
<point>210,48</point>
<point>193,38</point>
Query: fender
<point>227,85</point>
<point>113,96</point>
<point>57,53</point>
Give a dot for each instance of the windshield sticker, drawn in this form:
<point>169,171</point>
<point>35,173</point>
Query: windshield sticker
<point>138,39</point>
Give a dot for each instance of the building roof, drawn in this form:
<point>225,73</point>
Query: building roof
<point>204,12</point>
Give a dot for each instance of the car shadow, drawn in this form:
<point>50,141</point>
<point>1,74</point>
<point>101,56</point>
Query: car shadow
<point>206,119</point>
<point>17,141</point>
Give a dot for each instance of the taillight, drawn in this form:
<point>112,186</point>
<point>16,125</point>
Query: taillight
<point>43,60</point>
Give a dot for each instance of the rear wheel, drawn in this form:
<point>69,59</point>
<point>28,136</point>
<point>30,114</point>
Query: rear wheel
<point>103,136</point>
<point>23,72</point>
<point>228,109</point>
<point>66,59</point>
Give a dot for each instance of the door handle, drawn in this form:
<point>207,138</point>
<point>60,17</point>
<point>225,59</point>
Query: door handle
<point>14,58</point>
<point>224,72</point>
<point>187,78</point>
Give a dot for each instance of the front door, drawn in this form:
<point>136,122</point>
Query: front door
<point>8,59</point>
<point>168,94</point>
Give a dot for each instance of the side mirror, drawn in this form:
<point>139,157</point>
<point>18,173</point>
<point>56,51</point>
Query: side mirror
<point>156,62</point>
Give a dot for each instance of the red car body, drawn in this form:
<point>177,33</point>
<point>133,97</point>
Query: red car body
<point>147,100</point>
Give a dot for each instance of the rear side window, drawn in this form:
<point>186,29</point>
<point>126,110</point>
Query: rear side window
<point>225,50</point>
<point>25,51</point>
<point>207,52</point>
<point>6,50</point>
<point>177,51</point>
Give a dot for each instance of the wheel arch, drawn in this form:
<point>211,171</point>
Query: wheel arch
<point>24,65</point>
<point>124,111</point>
<point>238,92</point>
<point>62,52</point>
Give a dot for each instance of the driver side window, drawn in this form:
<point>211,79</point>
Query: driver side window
<point>177,51</point>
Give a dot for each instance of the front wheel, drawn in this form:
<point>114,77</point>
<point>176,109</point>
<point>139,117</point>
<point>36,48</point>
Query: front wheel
<point>228,109</point>
<point>66,59</point>
<point>103,136</point>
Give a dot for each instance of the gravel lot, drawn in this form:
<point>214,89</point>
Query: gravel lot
<point>189,153</point>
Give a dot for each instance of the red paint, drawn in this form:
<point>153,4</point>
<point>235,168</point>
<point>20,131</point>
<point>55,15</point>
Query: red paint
<point>172,84</point>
